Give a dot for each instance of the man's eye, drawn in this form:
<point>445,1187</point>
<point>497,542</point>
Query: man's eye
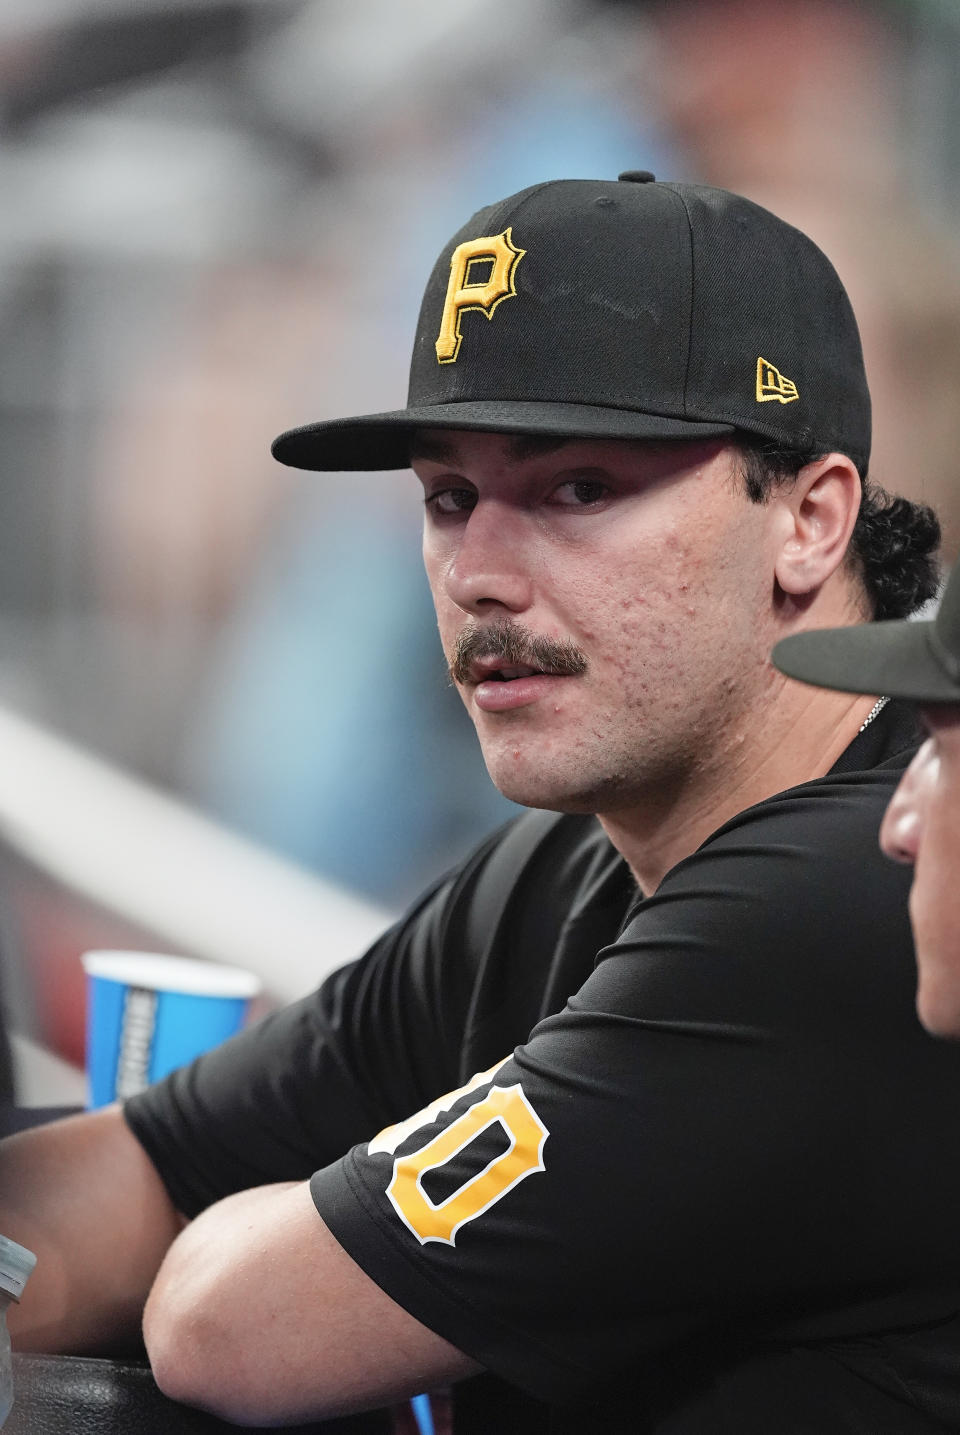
<point>451,500</point>
<point>580,492</point>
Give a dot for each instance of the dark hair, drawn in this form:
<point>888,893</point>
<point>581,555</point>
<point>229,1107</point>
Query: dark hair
<point>894,541</point>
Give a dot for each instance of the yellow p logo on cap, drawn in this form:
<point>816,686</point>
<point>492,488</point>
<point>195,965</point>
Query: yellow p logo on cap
<point>501,254</point>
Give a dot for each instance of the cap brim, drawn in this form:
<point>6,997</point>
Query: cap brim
<point>375,441</point>
<point>894,658</point>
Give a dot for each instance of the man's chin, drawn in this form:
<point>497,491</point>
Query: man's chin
<point>544,791</point>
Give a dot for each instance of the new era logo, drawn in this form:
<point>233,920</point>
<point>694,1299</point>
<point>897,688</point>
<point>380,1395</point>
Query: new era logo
<point>771,384</point>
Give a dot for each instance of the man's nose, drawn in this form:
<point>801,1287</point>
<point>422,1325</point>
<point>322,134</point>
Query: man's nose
<point>902,826</point>
<point>491,567</point>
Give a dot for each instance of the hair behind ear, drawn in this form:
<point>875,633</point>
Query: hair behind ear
<point>894,543</point>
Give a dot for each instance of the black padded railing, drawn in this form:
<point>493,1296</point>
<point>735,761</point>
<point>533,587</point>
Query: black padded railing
<point>78,1395</point>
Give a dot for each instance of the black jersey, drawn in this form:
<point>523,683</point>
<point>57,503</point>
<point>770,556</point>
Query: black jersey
<point>696,1169</point>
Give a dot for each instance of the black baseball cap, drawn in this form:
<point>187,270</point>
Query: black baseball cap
<point>902,659</point>
<point>623,309</point>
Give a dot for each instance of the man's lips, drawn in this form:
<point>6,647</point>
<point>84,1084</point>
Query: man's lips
<point>496,694</point>
<point>494,669</point>
<point>507,652</point>
<point>498,685</point>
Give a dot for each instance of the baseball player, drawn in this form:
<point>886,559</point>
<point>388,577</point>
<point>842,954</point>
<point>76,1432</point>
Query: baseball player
<point>628,1124</point>
<point>921,826</point>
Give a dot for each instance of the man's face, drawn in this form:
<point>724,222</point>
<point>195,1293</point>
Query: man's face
<point>922,826</point>
<point>603,605</point>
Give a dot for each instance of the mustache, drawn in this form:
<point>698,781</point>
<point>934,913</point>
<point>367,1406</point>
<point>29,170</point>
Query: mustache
<point>517,647</point>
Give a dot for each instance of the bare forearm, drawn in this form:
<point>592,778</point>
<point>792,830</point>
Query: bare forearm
<point>260,1316</point>
<point>83,1196</point>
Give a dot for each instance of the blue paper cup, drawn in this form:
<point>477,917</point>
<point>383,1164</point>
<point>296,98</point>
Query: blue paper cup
<point>148,1013</point>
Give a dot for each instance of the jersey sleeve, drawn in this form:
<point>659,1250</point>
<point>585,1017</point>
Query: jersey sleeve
<point>736,1122</point>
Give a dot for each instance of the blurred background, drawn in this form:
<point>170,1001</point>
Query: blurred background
<point>225,727</point>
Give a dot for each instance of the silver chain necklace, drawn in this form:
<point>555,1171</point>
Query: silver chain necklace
<point>878,707</point>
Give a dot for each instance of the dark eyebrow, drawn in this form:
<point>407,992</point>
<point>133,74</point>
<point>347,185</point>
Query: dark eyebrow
<point>533,445</point>
<point>425,444</point>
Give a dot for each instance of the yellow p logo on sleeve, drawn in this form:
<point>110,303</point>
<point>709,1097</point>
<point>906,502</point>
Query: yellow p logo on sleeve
<point>498,256</point>
<point>506,1106</point>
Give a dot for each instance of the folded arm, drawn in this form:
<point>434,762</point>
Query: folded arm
<point>260,1316</point>
<point>83,1195</point>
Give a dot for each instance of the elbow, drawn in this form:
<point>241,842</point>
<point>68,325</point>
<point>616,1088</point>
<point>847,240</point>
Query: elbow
<point>194,1361</point>
<point>170,1340</point>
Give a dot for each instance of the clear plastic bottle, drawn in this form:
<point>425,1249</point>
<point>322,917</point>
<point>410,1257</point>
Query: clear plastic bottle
<point>16,1263</point>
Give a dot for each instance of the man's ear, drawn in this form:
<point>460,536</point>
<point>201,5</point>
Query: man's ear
<point>818,514</point>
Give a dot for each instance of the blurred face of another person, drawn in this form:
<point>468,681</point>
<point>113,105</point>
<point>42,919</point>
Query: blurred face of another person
<point>922,826</point>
